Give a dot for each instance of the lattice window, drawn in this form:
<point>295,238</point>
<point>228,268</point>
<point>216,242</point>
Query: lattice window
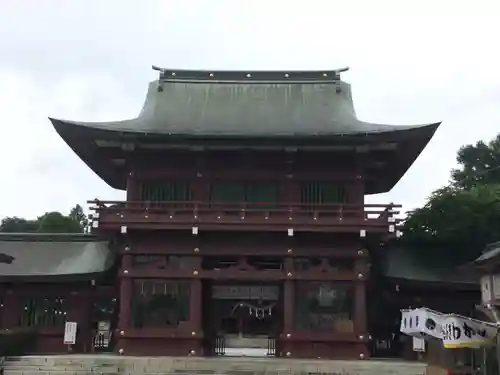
<point>163,261</point>
<point>324,306</point>
<point>266,193</point>
<point>157,303</point>
<point>316,193</point>
<point>335,264</point>
<point>44,312</point>
<point>156,191</point>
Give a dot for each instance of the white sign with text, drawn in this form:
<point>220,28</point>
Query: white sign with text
<point>461,332</point>
<point>421,323</point>
<point>454,330</point>
<point>70,329</point>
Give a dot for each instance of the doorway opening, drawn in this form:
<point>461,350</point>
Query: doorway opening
<point>244,318</point>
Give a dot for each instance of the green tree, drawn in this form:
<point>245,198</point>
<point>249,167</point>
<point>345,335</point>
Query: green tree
<point>79,216</point>
<point>460,219</point>
<point>457,220</point>
<point>18,225</point>
<point>50,222</point>
<point>479,164</point>
<point>55,222</point>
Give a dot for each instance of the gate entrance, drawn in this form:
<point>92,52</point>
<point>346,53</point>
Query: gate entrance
<point>245,318</point>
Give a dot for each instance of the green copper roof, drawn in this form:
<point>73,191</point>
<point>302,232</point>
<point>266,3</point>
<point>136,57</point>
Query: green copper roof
<point>248,104</point>
<point>188,110</point>
<point>490,253</point>
<point>32,256</point>
<point>399,262</point>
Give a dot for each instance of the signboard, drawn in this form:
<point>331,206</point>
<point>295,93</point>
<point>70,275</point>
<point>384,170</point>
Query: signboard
<point>246,292</point>
<point>418,344</point>
<point>70,329</point>
<point>421,323</point>
<point>103,326</point>
<point>486,289</point>
<point>490,289</point>
<point>461,332</point>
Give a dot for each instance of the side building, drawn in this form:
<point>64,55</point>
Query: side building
<point>245,227</point>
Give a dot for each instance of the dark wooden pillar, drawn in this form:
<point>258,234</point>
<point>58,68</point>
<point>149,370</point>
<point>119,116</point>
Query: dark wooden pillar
<point>200,188</point>
<point>288,308</point>
<point>132,187</point>
<point>125,317</point>
<point>79,313</point>
<point>195,307</point>
<point>355,191</point>
<point>360,305</point>
<point>87,331</point>
<point>11,310</point>
<point>195,315</point>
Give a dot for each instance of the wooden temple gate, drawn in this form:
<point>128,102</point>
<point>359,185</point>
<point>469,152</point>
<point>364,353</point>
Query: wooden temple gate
<point>204,300</point>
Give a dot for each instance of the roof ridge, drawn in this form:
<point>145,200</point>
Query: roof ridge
<point>50,237</point>
<point>250,76</point>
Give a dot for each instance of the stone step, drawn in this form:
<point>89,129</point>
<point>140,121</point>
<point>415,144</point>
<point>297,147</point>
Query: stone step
<point>97,369</point>
<point>56,372</point>
<point>109,364</point>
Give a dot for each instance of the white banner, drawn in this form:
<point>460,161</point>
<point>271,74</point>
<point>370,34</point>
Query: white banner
<point>454,330</point>
<point>421,323</point>
<point>462,332</point>
<point>70,329</point>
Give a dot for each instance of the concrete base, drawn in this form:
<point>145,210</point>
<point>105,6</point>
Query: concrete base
<point>114,365</point>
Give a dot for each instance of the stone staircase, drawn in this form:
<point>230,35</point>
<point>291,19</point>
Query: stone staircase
<point>114,365</point>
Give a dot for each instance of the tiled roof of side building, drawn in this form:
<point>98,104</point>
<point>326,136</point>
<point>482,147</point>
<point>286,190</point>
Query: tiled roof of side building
<point>399,262</point>
<point>491,252</point>
<point>34,256</point>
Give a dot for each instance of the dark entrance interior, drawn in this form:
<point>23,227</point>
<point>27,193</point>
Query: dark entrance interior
<point>242,315</point>
<point>104,321</point>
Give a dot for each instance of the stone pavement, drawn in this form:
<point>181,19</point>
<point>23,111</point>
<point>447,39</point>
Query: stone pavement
<point>114,365</point>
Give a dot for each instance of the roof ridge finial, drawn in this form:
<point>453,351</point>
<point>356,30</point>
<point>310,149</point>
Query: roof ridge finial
<point>158,69</point>
<point>338,71</point>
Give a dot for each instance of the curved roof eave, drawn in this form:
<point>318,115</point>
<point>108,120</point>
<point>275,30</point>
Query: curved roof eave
<point>134,128</point>
<point>80,136</point>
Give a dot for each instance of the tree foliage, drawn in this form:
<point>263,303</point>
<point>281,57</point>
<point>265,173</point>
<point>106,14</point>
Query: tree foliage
<point>479,165</point>
<point>16,224</point>
<point>461,218</point>
<point>50,222</point>
<point>457,220</point>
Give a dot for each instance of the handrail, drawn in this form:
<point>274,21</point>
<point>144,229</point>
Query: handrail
<point>385,207</point>
<point>383,214</point>
<point>290,208</point>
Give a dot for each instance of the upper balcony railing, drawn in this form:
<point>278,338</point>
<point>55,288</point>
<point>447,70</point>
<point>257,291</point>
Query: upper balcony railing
<point>367,218</point>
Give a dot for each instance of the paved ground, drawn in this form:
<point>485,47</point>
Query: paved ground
<point>114,365</point>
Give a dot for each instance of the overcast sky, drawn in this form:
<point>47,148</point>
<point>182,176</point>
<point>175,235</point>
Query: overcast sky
<point>411,62</point>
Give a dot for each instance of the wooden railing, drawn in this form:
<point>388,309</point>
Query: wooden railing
<point>271,346</point>
<point>219,346</point>
<point>170,214</point>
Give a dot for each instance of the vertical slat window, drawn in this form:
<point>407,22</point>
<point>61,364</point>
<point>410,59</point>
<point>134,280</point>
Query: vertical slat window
<point>314,193</point>
<point>321,306</point>
<point>44,312</point>
<point>227,192</point>
<point>264,193</point>
<point>165,192</point>
<point>156,303</point>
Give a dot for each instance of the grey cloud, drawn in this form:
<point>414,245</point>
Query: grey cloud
<point>90,60</point>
